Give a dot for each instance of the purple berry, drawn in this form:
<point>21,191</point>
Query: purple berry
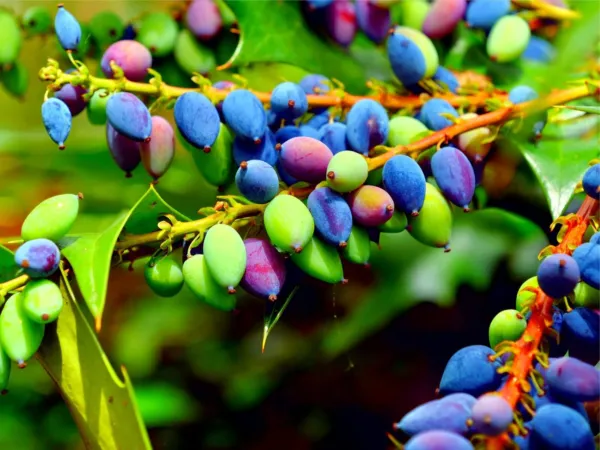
<point>125,151</point>
<point>203,19</point>
<point>558,275</point>
<point>39,258</point>
<point>341,22</point>
<point>491,415</point>
<point>371,206</point>
<point>573,380</point>
<point>454,175</point>
<point>373,20</point>
<point>332,216</point>
<point>131,56</point>
<point>265,269</point>
<point>443,17</point>
<point>305,159</point>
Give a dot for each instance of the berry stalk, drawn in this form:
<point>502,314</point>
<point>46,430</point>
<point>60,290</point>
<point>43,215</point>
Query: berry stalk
<point>497,117</point>
<point>540,322</point>
<point>546,10</point>
<point>157,88</point>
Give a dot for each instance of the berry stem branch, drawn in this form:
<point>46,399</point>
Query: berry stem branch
<point>157,88</point>
<point>540,322</point>
<point>11,285</point>
<point>547,10</point>
<point>497,117</point>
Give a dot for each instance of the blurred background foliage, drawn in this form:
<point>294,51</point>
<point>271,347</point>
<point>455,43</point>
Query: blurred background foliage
<point>343,363</point>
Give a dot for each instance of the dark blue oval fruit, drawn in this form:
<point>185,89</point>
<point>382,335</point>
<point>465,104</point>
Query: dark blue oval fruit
<point>197,120</point>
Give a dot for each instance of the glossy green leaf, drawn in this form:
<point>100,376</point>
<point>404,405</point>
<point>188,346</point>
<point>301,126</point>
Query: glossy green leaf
<point>102,404</point>
<point>90,255</point>
<point>559,166</point>
<point>582,108</point>
<point>8,268</point>
<point>274,315</point>
<point>282,36</point>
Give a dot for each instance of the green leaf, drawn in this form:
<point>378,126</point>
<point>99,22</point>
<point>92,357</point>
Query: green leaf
<point>559,166</point>
<point>8,268</point>
<point>274,316</point>
<point>276,31</point>
<point>102,404</point>
<point>90,255</point>
<point>585,109</point>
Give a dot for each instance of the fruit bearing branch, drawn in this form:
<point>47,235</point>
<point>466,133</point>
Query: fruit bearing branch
<point>540,322</point>
<point>157,88</point>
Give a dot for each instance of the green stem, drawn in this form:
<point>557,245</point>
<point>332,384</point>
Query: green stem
<point>11,285</point>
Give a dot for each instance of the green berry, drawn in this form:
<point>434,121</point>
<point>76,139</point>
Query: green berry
<point>507,325</point>
<point>508,38</point>
<point>16,79</point>
<point>96,107</point>
<point>158,33</point>
<point>526,298</point>
<point>106,27</point>
<point>433,225</point>
<point>20,337</point>
<point>42,301</point>
<point>358,249</point>
<point>37,20</point>
<point>198,279</point>
<point>288,223</point>
<point>225,255</point>
<point>586,296</point>
<point>192,56</point>
<point>5,365</point>
<point>164,277</point>
<point>397,223</point>
<point>52,219</point>
<point>10,37</point>
<point>347,171</point>
<point>217,166</point>
<point>403,129</point>
<point>320,261</point>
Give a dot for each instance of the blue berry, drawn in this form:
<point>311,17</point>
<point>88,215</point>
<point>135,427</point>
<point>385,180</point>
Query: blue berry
<point>257,181</point>
<point>539,50</point>
<point>245,150</point>
<point>404,180</point>
<point>587,257</point>
<point>558,275</point>
<point>431,112</point>
<point>367,125</point>
<point>286,133</point>
<point>197,120</point>
<point>333,135</point>
<point>470,371</point>
<point>288,100</point>
<point>445,414</point>
<point>491,415</point>
<point>332,216</point>
<point>244,113</point>
<point>438,440</point>
<point>129,116</point>
<point>522,94</point>
<point>454,175</point>
<point>57,120</point>
<point>573,380</point>
<point>591,181</point>
<point>39,258</point>
<point>67,29</point>
<point>580,332</point>
<point>485,13</point>
<point>557,427</point>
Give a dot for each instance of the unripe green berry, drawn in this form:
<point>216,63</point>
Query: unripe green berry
<point>507,325</point>
<point>164,277</point>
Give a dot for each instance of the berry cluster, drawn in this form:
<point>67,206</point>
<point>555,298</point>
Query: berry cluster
<point>556,395</point>
<point>321,174</point>
<point>25,313</point>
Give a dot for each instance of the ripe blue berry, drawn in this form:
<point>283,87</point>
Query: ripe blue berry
<point>470,371</point>
<point>438,440</point>
<point>39,258</point>
<point>288,100</point>
<point>404,180</point>
<point>557,427</point>
<point>573,380</point>
<point>367,125</point>
<point>333,135</point>
<point>431,114</point>
<point>491,415</point>
<point>332,216</point>
<point>454,175</point>
<point>67,28</point>
<point>245,150</point>
<point>244,113</point>
<point>129,116</point>
<point>57,120</point>
<point>257,181</point>
<point>591,181</point>
<point>197,120</point>
<point>558,275</point>
<point>587,257</point>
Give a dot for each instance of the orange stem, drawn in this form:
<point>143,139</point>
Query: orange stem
<point>540,321</point>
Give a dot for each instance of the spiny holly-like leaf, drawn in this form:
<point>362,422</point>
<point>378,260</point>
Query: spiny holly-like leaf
<point>559,166</point>
<point>102,404</point>
<point>90,255</point>
<point>275,31</point>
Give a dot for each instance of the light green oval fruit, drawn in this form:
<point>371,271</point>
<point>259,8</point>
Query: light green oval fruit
<point>42,301</point>
<point>158,33</point>
<point>586,296</point>
<point>358,249</point>
<point>192,56</point>
<point>164,277</point>
<point>397,223</point>
<point>5,366</point>
<point>413,13</point>
<point>96,107</point>
<point>20,337</point>
<point>51,219</point>
<point>471,142</point>
<point>10,36</point>
<point>507,325</point>
<point>198,279</point>
<point>508,39</point>
<point>105,28</point>
<point>36,20</point>
<point>526,298</point>
<point>320,261</point>
<point>225,255</point>
<point>289,224</point>
<point>403,129</point>
<point>426,46</point>
<point>217,166</point>
<point>16,79</point>
<point>433,225</point>
<point>347,171</point>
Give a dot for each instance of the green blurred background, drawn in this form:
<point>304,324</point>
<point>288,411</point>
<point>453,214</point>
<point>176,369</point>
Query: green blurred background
<point>344,362</point>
